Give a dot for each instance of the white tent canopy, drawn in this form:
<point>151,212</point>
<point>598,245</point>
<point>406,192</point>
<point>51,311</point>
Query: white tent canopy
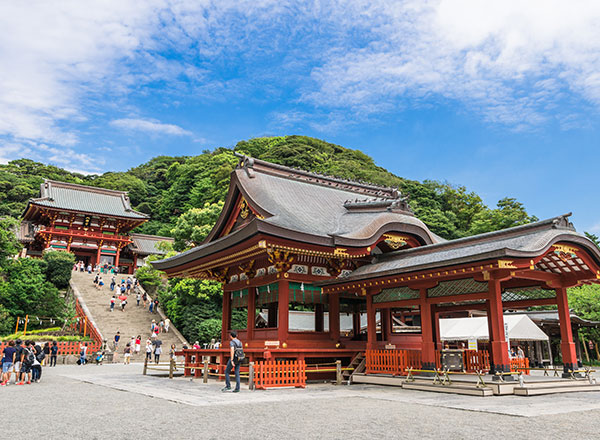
<point>520,328</point>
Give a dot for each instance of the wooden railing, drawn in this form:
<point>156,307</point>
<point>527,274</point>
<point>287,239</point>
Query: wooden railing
<point>393,362</point>
<point>520,364</point>
<point>64,347</point>
<point>476,360</point>
<point>275,374</point>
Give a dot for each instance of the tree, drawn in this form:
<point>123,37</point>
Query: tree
<point>193,226</point>
<point>509,213</point>
<point>59,267</point>
<point>9,245</point>
<point>593,237</point>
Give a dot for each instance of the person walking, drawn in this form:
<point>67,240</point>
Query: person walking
<point>112,284</point>
<point>138,343</point>
<point>138,297</point>
<point>100,283</point>
<point>116,340</point>
<point>53,353</point>
<point>156,305</point>
<point>83,354</point>
<point>173,356</point>
<point>123,304</point>
<point>151,306</point>
<point>46,351</point>
<point>8,360</point>
<point>127,354</point>
<point>157,353</point>
<point>149,350</point>
<point>236,355</point>
<point>167,324</point>
<point>112,303</point>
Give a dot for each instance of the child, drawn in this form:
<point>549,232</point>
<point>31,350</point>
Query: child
<point>127,354</point>
<point>99,357</point>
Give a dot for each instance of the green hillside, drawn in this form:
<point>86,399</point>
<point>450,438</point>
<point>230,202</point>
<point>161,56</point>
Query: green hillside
<point>167,187</point>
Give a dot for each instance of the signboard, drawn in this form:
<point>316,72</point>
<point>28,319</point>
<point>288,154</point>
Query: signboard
<point>473,344</point>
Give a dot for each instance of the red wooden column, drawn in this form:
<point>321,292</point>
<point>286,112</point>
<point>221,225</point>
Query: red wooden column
<point>98,253</point>
<point>118,255</point>
<point>567,345</point>
<point>427,329</point>
<point>283,310</point>
<point>500,361</point>
<point>334,316</point>
<point>319,318</point>
<point>226,319</point>
<point>371,323</point>
<point>251,313</point>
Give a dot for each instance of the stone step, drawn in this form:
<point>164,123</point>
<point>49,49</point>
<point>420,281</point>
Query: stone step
<point>537,391</point>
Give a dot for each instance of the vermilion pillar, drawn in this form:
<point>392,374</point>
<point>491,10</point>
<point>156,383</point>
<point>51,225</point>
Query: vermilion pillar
<point>500,359</point>
<point>427,328</point>
<point>334,316</point>
<point>567,345</point>
<point>117,256</point>
<point>226,319</point>
<point>371,324</point>
<point>251,313</point>
<point>356,321</point>
<point>283,311</point>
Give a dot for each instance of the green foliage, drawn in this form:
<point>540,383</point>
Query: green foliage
<point>585,302</point>
<point>26,291</point>
<point>194,225</point>
<point>7,322</point>
<point>593,237</point>
<point>508,214</point>
<point>59,267</point>
<point>9,246</point>
<point>208,329</point>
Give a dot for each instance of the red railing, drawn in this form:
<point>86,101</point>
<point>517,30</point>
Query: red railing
<point>520,364</point>
<point>476,360</point>
<point>393,362</point>
<point>86,327</point>
<point>276,374</point>
<point>64,347</point>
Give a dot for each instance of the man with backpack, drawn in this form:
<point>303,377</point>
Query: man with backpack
<point>27,360</point>
<point>235,359</point>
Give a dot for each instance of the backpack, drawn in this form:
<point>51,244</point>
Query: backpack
<point>29,356</point>
<point>41,356</point>
<point>238,353</point>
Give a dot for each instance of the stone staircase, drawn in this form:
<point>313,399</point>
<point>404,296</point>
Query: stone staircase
<point>132,322</point>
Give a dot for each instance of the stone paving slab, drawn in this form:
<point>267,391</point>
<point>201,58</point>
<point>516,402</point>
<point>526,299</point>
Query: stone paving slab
<point>196,393</point>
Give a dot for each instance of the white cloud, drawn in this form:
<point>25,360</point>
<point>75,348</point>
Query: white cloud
<point>149,125</point>
<point>511,61</point>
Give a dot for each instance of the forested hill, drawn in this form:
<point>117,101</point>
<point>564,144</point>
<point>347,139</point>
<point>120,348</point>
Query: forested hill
<point>167,187</point>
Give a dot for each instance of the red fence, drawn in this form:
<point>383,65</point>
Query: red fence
<point>475,360</point>
<point>87,328</point>
<point>64,347</point>
<point>275,374</point>
<point>393,362</point>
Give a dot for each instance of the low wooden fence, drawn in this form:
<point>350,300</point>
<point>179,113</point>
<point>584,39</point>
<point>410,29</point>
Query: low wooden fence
<point>396,362</point>
<point>276,374</point>
<point>393,362</point>
<point>64,347</point>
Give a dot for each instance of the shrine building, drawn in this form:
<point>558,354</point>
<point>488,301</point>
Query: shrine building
<point>288,239</point>
<point>92,223</point>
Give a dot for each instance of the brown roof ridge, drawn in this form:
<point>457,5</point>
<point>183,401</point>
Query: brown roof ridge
<point>251,164</point>
<point>559,222</point>
<point>149,236</point>
<point>78,186</point>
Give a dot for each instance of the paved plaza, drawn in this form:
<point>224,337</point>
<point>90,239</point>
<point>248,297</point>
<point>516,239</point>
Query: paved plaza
<point>118,402</point>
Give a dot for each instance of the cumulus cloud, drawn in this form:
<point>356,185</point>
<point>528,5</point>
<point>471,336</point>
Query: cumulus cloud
<point>519,64</point>
<point>150,126</point>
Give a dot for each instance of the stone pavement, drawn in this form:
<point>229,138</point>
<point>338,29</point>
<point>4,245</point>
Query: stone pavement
<point>116,401</point>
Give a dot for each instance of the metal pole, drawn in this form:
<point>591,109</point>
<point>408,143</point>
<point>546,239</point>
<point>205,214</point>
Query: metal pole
<point>251,375</point>
<point>338,372</point>
<point>25,328</point>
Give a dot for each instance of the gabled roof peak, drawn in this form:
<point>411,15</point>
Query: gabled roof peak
<point>252,165</point>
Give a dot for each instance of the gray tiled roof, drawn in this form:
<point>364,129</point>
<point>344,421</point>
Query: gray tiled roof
<point>144,244</point>
<point>72,197</point>
<point>321,210</point>
<point>521,241</point>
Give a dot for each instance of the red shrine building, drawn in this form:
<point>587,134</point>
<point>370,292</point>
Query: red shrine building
<point>289,240</point>
<point>92,223</point>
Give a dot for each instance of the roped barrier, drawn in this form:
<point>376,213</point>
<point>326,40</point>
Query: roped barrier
<point>274,374</point>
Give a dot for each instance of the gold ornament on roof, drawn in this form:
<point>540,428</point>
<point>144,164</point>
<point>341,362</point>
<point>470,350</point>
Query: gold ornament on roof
<point>395,241</point>
<point>244,209</point>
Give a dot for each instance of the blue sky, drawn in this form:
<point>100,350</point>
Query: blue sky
<point>500,97</point>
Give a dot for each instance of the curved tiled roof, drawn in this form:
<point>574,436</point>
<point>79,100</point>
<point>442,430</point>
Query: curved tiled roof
<point>87,199</point>
<point>519,242</point>
<point>144,244</point>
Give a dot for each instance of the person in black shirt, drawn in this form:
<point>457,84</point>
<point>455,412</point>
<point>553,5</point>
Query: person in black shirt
<point>53,354</point>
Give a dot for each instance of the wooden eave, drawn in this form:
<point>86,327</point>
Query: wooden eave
<point>32,212</point>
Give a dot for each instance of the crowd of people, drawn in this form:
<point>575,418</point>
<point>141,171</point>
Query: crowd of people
<point>24,361</point>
